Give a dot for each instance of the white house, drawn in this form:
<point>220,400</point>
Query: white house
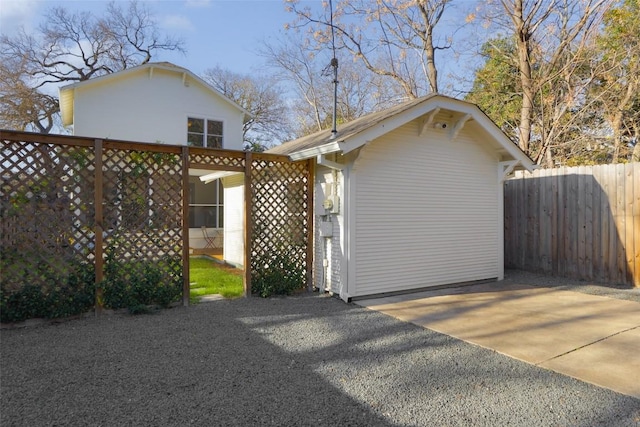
<point>409,198</point>
<point>164,103</point>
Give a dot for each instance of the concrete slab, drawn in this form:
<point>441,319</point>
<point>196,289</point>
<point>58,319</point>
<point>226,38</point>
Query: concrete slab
<point>540,326</point>
<point>613,360</point>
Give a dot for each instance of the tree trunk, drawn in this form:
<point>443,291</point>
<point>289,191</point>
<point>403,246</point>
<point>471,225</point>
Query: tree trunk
<point>432,72</point>
<point>524,64</point>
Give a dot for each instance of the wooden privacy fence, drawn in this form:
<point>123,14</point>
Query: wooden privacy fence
<point>68,201</point>
<point>578,222</point>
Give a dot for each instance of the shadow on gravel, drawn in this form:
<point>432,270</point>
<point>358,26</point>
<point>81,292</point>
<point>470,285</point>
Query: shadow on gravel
<point>309,360</point>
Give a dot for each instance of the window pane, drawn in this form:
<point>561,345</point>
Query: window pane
<point>214,128</point>
<point>195,125</point>
<point>201,193</point>
<point>220,217</point>
<point>195,140</point>
<point>214,141</point>
<point>203,215</point>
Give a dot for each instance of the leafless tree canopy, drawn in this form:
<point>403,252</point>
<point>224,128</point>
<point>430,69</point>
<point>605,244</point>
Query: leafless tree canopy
<point>72,47</point>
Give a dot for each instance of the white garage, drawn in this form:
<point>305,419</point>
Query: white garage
<point>409,198</point>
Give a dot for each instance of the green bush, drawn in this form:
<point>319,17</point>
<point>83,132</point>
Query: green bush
<point>138,285</point>
<point>277,274</point>
<point>60,295</point>
<point>31,288</point>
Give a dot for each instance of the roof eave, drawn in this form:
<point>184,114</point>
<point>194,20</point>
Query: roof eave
<point>330,147</point>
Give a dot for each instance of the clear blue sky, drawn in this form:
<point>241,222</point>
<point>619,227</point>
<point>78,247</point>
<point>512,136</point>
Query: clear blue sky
<point>216,32</point>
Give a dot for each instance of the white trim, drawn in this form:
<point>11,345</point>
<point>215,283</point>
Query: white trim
<point>217,175</point>
<point>322,160</point>
<point>428,120</point>
<point>505,169</point>
<point>309,153</point>
<point>459,125</point>
<point>428,107</point>
<point>206,119</point>
<point>348,279</point>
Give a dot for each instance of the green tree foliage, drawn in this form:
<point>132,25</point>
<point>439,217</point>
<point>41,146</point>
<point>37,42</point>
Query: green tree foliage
<point>495,88</point>
<point>617,88</point>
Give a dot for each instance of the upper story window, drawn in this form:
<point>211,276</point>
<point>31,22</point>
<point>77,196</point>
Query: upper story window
<point>204,133</point>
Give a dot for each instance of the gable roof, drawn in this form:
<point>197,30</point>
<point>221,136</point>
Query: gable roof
<point>67,93</point>
<point>363,130</point>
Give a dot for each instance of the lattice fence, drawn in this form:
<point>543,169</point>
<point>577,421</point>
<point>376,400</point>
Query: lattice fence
<point>142,218</point>
<point>45,232</point>
<point>281,225</point>
<point>118,217</point>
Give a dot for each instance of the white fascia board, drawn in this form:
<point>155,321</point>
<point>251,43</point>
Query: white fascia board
<point>217,175</point>
<point>505,142</point>
<point>331,147</point>
<point>391,123</point>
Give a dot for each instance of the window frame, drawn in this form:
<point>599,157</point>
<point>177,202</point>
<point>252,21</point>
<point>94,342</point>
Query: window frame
<point>205,131</point>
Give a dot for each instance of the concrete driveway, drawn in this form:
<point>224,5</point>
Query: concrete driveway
<point>592,338</point>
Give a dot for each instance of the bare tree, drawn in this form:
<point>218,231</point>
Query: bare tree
<point>393,38</point>
<point>71,47</point>
<point>263,98</point>
<point>550,38</point>
<point>304,66</point>
<point>23,107</point>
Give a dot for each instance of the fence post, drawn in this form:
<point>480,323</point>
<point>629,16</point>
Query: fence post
<point>248,222</point>
<point>186,287</point>
<point>98,228</point>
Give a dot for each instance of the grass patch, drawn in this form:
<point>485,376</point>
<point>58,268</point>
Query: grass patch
<point>208,277</point>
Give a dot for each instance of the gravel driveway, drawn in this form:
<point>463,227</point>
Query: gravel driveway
<point>308,360</point>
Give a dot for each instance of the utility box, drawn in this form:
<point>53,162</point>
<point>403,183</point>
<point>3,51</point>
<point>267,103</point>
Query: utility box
<point>326,229</point>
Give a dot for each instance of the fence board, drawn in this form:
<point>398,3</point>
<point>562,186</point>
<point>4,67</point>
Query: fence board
<point>629,225</point>
<point>581,222</point>
<point>553,218</point>
<point>620,219</point>
<point>588,228</point>
<point>636,228</point>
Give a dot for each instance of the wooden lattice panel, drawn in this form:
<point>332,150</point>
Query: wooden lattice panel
<point>279,214</point>
<point>142,210</point>
<point>45,229</point>
<point>204,158</point>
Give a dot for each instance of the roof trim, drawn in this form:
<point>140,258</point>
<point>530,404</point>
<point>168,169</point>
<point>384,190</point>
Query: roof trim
<point>357,134</point>
<point>332,147</point>
<point>67,92</point>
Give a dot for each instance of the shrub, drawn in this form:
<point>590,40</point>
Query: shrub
<point>67,292</point>
<point>277,274</point>
<point>138,285</point>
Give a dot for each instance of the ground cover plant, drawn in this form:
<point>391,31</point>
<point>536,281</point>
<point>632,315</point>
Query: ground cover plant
<point>209,277</point>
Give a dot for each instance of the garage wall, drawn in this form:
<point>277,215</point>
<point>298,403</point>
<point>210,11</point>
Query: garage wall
<point>426,211</point>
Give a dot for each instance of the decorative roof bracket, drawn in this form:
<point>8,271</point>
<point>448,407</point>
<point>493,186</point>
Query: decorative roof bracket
<point>505,169</point>
<point>459,125</point>
<point>428,120</point>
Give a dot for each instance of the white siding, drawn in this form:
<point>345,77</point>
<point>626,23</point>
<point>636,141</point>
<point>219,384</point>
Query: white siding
<point>151,109</point>
<point>426,211</point>
<point>233,251</point>
<point>328,278</point>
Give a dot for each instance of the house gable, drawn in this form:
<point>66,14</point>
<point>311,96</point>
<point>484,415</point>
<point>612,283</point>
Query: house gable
<point>351,136</point>
<point>149,103</point>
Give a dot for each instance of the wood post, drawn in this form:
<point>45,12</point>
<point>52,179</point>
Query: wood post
<point>97,225</point>
<point>186,287</point>
<point>248,222</point>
